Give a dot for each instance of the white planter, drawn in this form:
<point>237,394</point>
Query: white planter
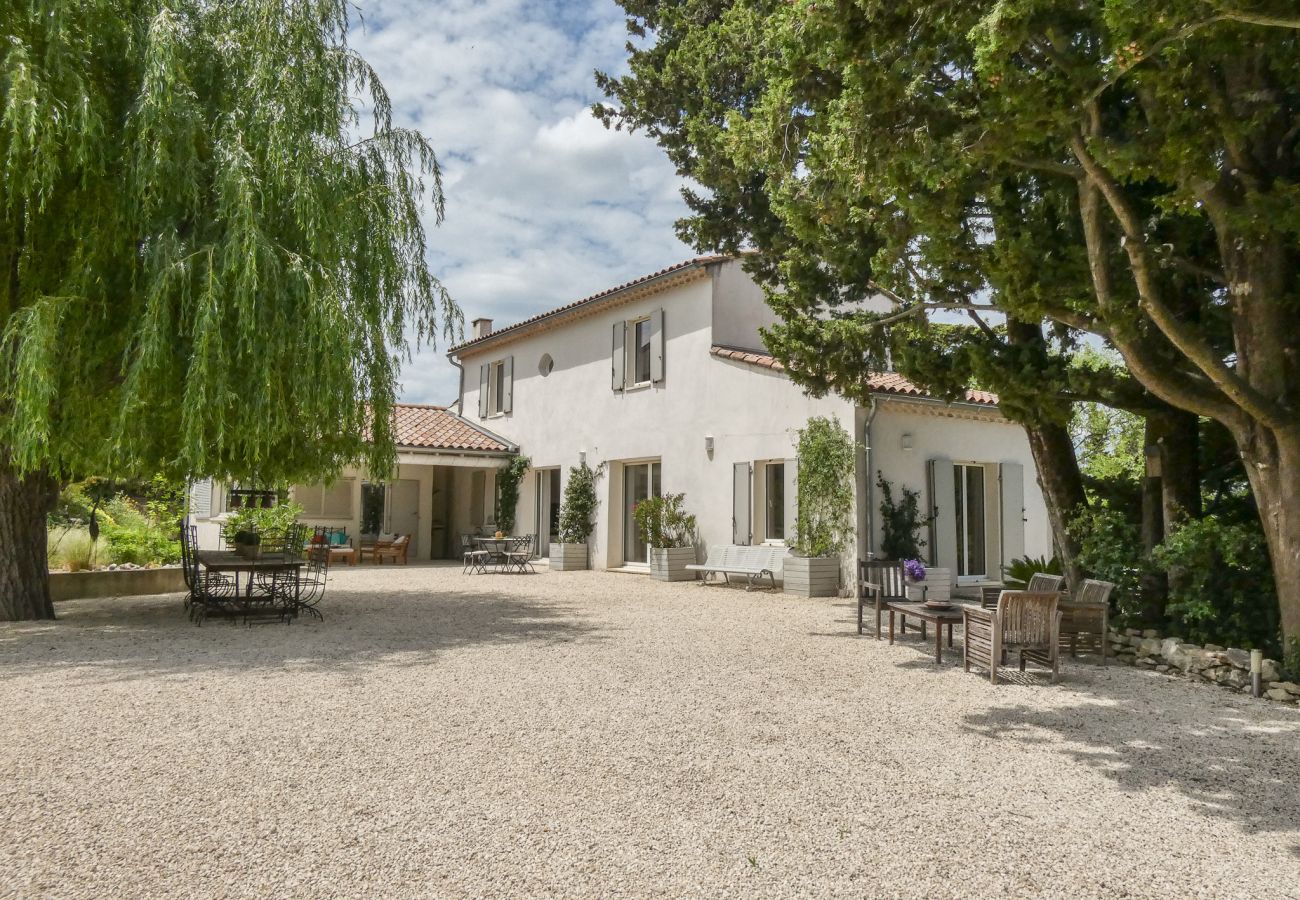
<point>568,557</point>
<point>670,564</point>
<point>938,584</point>
<point>812,576</point>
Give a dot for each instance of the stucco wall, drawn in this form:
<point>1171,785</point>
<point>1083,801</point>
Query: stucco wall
<point>751,413</point>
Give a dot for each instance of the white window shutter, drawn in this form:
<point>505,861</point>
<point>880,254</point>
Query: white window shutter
<point>791,499</point>
<point>484,373</point>
<point>1011,485</point>
<point>508,392</point>
<point>657,346</point>
<point>943,514</point>
<point>618,358</point>
<point>742,483</point>
<point>201,499</point>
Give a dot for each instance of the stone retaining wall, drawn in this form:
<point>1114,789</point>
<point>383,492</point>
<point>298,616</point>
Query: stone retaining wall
<point>1227,667</point>
<point>116,583</point>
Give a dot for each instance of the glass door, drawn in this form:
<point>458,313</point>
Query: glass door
<point>640,482</point>
<point>548,509</point>
<point>969,503</point>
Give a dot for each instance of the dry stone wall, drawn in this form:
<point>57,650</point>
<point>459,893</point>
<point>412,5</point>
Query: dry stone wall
<point>1224,666</point>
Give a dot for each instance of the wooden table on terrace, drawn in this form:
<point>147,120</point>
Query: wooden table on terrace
<point>940,617</point>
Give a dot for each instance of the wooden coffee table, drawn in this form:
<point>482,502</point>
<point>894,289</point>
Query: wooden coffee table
<point>940,617</point>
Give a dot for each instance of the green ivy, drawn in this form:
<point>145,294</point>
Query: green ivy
<point>578,512</point>
<point>826,461</point>
<point>900,522</point>
<point>508,481</point>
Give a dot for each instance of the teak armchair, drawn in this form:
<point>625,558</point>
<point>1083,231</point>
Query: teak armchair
<point>1024,622</point>
<point>881,581</point>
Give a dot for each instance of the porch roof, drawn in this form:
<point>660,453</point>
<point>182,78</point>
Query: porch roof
<point>880,383</point>
<point>423,427</point>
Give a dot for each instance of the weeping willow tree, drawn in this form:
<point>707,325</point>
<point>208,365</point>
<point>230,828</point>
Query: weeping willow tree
<point>214,258</point>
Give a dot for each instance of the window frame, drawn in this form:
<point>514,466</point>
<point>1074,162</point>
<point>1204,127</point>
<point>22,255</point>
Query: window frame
<point>632,351</point>
<point>768,508</point>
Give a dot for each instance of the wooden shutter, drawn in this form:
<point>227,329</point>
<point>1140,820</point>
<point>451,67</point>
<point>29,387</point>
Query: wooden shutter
<point>1011,485</point>
<point>508,391</point>
<point>484,374</point>
<point>791,499</point>
<point>201,499</point>
<point>943,513</point>
<point>741,514</point>
<point>657,346</point>
<point>617,358</point>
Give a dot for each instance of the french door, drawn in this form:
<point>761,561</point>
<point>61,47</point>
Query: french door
<point>968,486</point>
<point>548,508</point>
<point>640,482</point>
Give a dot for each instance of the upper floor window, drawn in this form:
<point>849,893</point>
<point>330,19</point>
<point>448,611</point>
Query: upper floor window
<point>637,358</point>
<point>496,387</point>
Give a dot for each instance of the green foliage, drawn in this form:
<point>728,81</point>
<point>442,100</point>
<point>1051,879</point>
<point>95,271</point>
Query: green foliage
<point>1018,573</point>
<point>578,511</point>
<point>1111,444</point>
<point>900,522</point>
<point>826,460</point>
<point>213,239</point>
<point>664,522</point>
<point>270,523</point>
<point>1224,591</point>
<point>132,534</point>
<point>1110,548</point>
<point>508,480</point>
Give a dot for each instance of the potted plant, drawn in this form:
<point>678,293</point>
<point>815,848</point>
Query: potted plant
<point>248,543</point>
<point>900,524</point>
<point>824,523</point>
<point>670,532</point>
<point>577,519</point>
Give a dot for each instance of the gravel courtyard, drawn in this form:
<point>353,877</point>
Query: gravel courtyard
<point>593,734</point>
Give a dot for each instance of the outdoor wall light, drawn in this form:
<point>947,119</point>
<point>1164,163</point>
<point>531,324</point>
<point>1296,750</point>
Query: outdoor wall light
<point>907,442</point>
<point>582,457</point>
<point>708,444</point>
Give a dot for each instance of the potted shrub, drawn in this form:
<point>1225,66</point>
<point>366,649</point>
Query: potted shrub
<point>248,544</point>
<point>825,520</point>
<point>577,519</point>
<point>670,532</point>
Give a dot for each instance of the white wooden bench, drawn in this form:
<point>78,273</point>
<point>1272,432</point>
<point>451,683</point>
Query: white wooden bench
<point>752,562</point>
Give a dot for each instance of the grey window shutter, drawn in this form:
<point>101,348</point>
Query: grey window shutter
<point>943,513</point>
<point>741,515</point>
<point>791,499</point>
<point>201,499</point>
<point>618,359</point>
<point>484,373</point>
<point>508,393</point>
<point>657,346</point>
<point>1011,485</point>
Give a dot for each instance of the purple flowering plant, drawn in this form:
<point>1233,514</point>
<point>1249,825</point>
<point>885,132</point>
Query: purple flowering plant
<point>914,569</point>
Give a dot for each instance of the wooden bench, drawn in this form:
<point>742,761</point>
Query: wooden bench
<point>752,562</point>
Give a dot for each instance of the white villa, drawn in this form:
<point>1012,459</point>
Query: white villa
<point>664,380</point>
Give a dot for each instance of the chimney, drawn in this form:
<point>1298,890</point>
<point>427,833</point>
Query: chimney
<point>481,328</point>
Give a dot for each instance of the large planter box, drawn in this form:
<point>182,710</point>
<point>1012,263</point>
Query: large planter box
<point>670,564</point>
<point>568,557</point>
<point>938,584</point>
<point>116,583</point>
<point>809,576</point>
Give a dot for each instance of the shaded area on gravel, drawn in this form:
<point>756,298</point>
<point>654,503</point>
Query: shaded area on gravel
<point>596,734</point>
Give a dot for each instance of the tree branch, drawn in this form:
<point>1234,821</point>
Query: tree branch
<point>1179,333</point>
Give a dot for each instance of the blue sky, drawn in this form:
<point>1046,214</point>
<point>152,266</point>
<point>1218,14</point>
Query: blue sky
<point>544,205</point>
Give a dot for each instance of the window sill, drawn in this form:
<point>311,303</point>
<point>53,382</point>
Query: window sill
<point>639,386</point>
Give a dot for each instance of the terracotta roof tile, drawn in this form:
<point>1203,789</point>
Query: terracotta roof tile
<point>881,383</point>
<point>438,428</point>
<point>696,263</point>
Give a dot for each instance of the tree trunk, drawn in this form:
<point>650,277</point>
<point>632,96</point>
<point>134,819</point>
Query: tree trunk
<point>1062,486</point>
<point>1273,466</point>
<point>25,501</point>
<point>1154,584</point>
<point>1178,435</point>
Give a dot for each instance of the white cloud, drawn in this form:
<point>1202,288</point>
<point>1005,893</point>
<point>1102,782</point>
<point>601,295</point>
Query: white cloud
<point>544,204</point>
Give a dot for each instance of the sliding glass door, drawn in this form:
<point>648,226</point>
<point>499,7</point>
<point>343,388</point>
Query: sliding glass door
<point>640,482</point>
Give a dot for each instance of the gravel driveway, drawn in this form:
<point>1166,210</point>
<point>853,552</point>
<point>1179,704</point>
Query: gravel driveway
<point>593,734</point>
